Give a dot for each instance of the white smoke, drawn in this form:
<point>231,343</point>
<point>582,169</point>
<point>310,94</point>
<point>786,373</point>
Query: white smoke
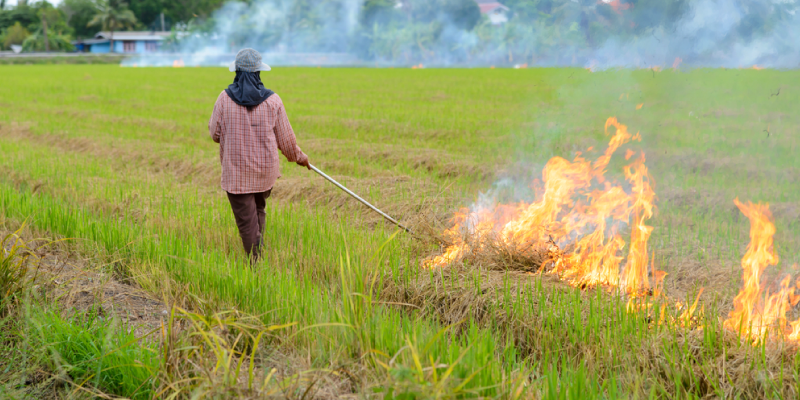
<point>707,33</point>
<point>286,31</point>
<point>706,37</point>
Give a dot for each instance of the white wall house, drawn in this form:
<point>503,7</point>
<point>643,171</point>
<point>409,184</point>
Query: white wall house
<point>497,12</point>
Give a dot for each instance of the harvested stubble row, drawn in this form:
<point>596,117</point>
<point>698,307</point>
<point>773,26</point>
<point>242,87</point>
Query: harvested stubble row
<point>552,323</point>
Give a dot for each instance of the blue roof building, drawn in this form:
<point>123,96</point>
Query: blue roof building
<point>124,42</point>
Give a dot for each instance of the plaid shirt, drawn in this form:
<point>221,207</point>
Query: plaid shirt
<point>249,139</point>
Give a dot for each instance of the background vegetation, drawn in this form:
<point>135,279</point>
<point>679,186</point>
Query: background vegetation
<point>553,32</point>
<point>70,20</point>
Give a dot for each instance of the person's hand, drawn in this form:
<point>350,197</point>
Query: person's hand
<point>305,163</point>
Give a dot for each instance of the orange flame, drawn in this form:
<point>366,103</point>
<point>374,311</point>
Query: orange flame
<point>635,273</point>
<point>576,220</point>
<point>677,62</point>
<point>757,313</point>
<point>580,207</point>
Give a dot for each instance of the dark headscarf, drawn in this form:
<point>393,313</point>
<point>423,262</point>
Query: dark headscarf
<point>247,89</point>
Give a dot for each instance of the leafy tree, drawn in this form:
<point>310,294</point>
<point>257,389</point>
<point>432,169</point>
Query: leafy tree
<point>42,19</point>
<point>186,10</point>
<point>652,14</point>
<point>373,10</point>
<point>23,14</point>
<point>50,31</point>
<point>53,41</point>
<point>465,14</point>
<point>148,12</point>
<point>113,15</point>
<point>16,34</point>
<point>416,30</point>
<point>78,14</point>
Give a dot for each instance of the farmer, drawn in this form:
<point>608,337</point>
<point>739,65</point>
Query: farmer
<point>250,125</point>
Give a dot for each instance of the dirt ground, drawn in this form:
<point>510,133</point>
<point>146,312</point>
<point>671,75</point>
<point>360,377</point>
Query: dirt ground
<point>77,283</point>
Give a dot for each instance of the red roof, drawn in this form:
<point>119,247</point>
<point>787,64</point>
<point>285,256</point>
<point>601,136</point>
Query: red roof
<point>616,5</point>
<point>488,6</point>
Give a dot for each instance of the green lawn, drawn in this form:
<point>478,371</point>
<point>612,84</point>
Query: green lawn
<point>122,157</point>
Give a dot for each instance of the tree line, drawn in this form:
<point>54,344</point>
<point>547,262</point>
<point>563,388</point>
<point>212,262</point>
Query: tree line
<point>40,26</point>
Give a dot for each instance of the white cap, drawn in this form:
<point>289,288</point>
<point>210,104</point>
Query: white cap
<point>248,60</point>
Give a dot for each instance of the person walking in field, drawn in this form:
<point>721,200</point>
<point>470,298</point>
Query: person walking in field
<point>250,124</point>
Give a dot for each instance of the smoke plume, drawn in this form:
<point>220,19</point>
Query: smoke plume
<point>587,33</point>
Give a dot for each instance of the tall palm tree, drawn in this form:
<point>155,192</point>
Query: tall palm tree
<point>113,15</point>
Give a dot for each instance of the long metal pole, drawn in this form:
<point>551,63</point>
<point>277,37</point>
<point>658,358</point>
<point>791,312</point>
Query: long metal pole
<point>355,196</point>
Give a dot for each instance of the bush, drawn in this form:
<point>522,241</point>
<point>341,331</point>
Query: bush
<point>15,34</point>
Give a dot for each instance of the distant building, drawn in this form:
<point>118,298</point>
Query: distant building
<point>497,12</point>
<point>124,42</point>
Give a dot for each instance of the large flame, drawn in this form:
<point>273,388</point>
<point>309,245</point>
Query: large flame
<point>757,314</point>
<point>577,219</point>
<point>578,209</point>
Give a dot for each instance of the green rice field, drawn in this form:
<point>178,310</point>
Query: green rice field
<point>119,163</point>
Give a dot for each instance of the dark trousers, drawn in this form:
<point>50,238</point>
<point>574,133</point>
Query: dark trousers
<point>248,209</point>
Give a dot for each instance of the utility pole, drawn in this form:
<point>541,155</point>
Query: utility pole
<point>162,22</point>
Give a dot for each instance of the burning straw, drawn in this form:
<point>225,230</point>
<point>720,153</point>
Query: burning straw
<point>757,314</point>
<point>573,229</point>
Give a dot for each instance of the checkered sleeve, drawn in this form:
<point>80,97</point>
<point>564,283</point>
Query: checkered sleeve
<point>284,135</point>
<point>215,124</point>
